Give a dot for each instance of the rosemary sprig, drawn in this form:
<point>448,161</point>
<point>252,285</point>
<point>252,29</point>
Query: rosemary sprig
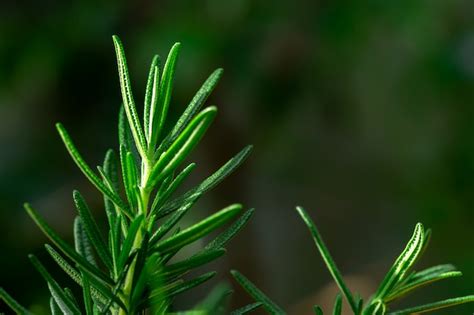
<point>128,271</point>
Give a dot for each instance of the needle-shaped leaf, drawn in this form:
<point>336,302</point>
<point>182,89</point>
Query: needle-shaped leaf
<point>162,196</point>
<point>183,145</point>
<point>166,226</point>
<point>92,230</point>
<point>142,254</point>
<point>124,132</point>
<point>435,306</point>
<point>221,240</point>
<point>81,241</point>
<point>246,309</point>
<point>194,106</point>
<point>93,178</point>
<point>99,290</point>
<point>198,230</point>
<point>403,263</point>
<point>86,292</point>
<point>64,247</point>
<point>117,289</point>
<point>111,169</point>
<point>127,97</point>
<point>191,263</point>
<point>375,307</point>
<point>71,296</point>
<point>129,240</point>
<point>114,243</point>
<point>330,264</point>
<point>256,293</point>
<point>187,285</point>
<point>12,303</point>
<point>317,310</point>
<point>151,94</point>
<point>55,310</point>
<point>151,265</point>
<point>432,272</point>
<point>360,304</point>
<point>159,109</point>
<point>337,309</point>
<point>419,282</point>
<point>130,179</point>
<point>64,302</point>
<point>208,183</point>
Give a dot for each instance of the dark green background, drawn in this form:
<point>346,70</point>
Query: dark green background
<point>361,111</point>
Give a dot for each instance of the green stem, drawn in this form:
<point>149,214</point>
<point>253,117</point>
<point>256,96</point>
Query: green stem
<point>144,197</point>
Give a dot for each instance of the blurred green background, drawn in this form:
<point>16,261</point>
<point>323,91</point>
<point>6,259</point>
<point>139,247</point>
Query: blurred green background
<point>361,111</point>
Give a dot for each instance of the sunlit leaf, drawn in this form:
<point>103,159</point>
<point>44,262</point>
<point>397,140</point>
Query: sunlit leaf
<point>198,230</point>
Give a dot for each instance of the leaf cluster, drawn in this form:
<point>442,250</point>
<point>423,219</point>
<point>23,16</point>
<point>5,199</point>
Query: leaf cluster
<point>133,267</point>
<point>399,281</point>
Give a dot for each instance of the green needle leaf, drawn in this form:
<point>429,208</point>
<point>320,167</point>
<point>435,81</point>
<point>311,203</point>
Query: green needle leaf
<point>170,223</point>
<point>64,247</point>
<point>111,169</point>
<point>208,183</point>
<point>64,302</point>
<point>432,272</point>
<point>435,306</point>
<point>256,294</point>
<point>163,197</point>
<point>128,101</point>
<point>159,109</point>
<point>99,290</point>
<point>419,282</point>
<point>193,107</point>
<point>114,243</point>
<point>151,94</point>
<point>198,230</point>
<point>86,291</point>
<point>130,179</point>
<point>124,132</point>
<point>92,230</point>
<point>330,264</point>
<point>82,243</point>
<point>129,240</point>
<point>55,310</point>
<point>221,240</point>
<point>187,285</point>
<point>159,295</point>
<point>183,145</point>
<point>337,305</point>
<point>317,310</point>
<point>12,303</point>
<point>93,178</point>
<point>403,263</point>
<point>191,263</point>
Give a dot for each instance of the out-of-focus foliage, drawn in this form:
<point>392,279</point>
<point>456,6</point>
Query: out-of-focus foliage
<point>354,107</point>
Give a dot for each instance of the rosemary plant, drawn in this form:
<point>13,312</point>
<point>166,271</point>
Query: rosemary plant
<point>399,281</point>
<point>129,271</point>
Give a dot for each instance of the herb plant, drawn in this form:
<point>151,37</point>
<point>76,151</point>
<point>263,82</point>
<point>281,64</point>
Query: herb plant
<point>130,271</point>
<point>399,281</point>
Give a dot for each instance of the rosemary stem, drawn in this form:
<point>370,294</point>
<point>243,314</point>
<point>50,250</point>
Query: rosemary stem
<point>144,197</point>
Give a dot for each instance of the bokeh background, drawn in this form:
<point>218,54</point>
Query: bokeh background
<point>361,111</point>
